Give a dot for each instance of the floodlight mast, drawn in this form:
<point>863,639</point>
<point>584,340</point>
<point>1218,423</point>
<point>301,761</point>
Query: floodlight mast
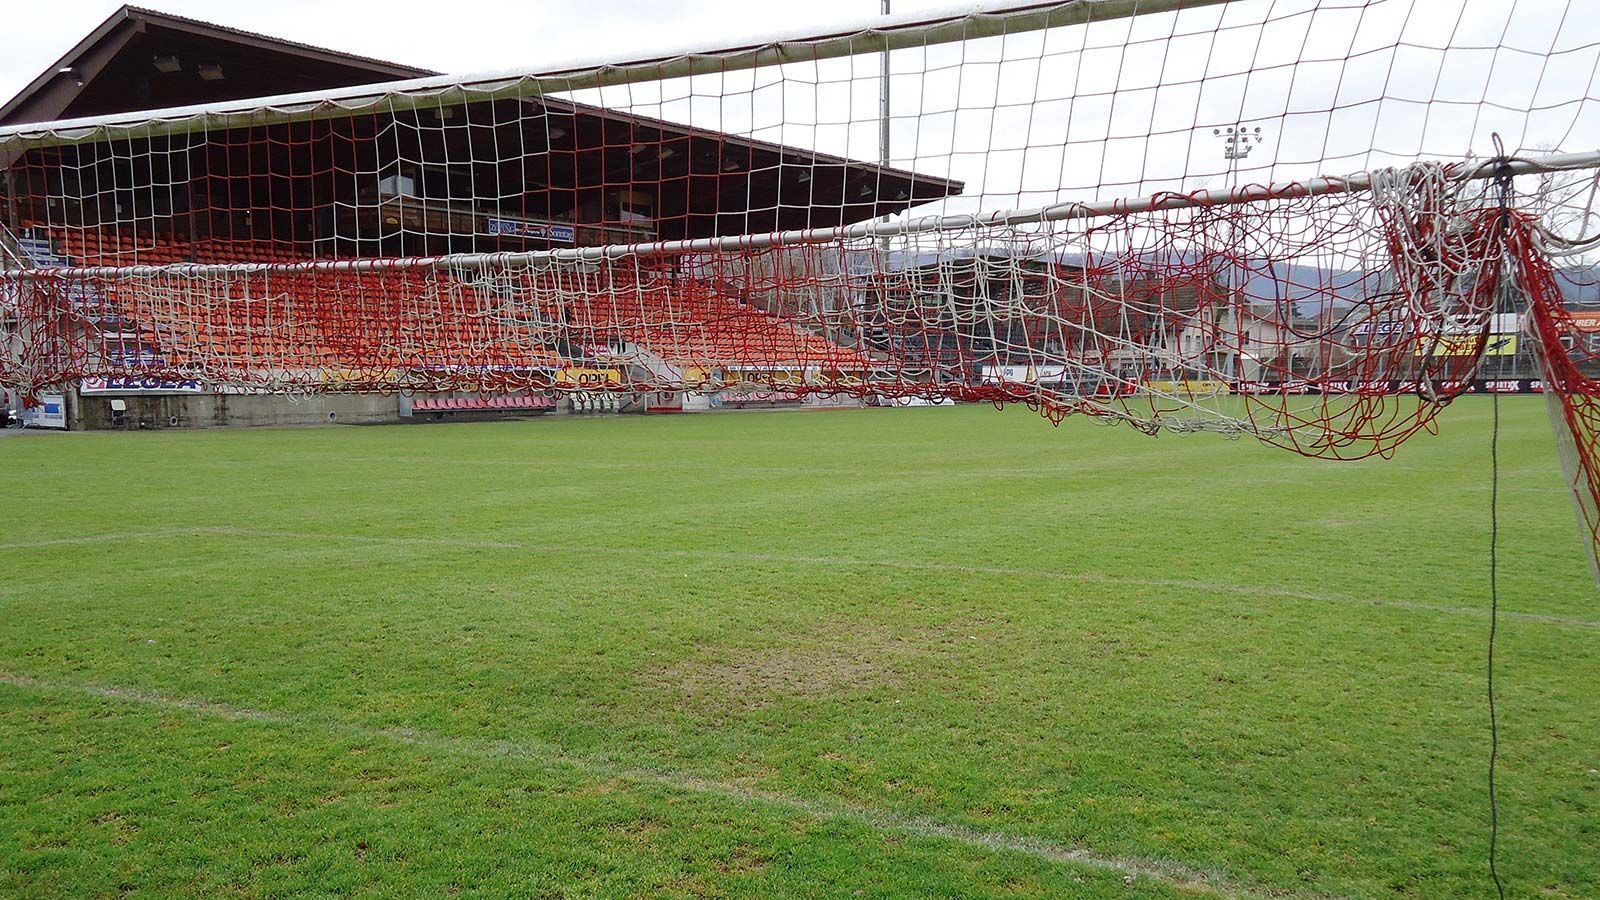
<point>1238,141</point>
<point>1236,146</point>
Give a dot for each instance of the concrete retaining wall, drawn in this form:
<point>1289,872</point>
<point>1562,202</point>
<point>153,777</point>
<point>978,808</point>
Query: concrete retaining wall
<point>93,411</point>
<point>147,411</point>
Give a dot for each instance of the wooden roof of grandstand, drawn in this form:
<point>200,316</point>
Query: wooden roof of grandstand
<point>113,68</point>
<point>140,59</point>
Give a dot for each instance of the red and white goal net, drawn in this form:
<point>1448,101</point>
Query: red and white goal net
<point>1288,219</point>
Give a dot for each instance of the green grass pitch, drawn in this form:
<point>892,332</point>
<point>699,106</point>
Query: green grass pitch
<point>922,652</point>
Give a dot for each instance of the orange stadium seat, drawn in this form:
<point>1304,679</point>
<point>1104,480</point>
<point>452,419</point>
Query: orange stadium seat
<point>376,322</point>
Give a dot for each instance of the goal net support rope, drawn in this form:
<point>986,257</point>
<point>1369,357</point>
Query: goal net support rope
<point>1135,210</point>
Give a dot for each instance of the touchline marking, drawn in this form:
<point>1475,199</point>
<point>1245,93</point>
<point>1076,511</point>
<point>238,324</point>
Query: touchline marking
<point>909,565</point>
<point>1213,881</point>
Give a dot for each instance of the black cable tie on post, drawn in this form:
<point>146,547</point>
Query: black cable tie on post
<point>1501,166</point>
<point>1503,179</point>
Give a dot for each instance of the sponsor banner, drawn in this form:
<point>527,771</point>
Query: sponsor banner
<point>588,378</point>
<point>1586,322</point>
<point>1273,387</point>
<point>1501,345</point>
<point>50,413</point>
<point>1062,379</point>
<point>1476,386</point>
<point>40,253</point>
<point>1015,374</point>
<point>561,234</point>
<point>736,398</point>
<point>140,385</point>
<point>1467,345</point>
<point>1507,386</point>
<point>136,359</point>
<point>1499,324</point>
<point>385,375</point>
<point>1386,328</point>
<point>1024,374</point>
<point>1198,387</point>
<point>85,295</point>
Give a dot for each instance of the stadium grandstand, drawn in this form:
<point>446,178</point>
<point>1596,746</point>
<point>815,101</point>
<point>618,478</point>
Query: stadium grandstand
<point>889,652</point>
<point>516,172</point>
<point>407,184</point>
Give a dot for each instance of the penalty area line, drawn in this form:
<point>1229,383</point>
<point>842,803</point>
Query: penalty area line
<point>1212,881</point>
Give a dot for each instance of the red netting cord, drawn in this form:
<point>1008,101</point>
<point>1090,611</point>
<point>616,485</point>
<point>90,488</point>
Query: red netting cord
<point>1573,395</point>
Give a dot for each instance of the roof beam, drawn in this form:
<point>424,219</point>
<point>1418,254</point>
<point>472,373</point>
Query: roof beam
<point>51,93</point>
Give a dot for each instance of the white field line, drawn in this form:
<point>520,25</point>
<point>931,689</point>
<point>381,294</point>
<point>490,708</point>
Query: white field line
<point>1211,881</point>
<point>757,557</point>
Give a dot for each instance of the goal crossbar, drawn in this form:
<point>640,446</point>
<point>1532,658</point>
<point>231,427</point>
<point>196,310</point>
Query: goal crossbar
<point>898,32</point>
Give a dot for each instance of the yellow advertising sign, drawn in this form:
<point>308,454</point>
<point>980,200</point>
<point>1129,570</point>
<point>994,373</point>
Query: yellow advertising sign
<point>362,377</point>
<point>1467,345</point>
<point>588,378</point>
<point>1193,387</point>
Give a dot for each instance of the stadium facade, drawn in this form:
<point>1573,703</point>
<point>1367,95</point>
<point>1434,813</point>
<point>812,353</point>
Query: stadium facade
<point>510,174</point>
<point>391,185</point>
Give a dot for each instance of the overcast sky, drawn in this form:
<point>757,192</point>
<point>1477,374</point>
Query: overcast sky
<point>475,35</point>
<point>1119,109</point>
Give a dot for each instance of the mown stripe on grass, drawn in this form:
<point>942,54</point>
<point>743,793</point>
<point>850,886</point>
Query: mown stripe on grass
<point>152,535</point>
<point>1211,881</point>
<point>1183,584</point>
